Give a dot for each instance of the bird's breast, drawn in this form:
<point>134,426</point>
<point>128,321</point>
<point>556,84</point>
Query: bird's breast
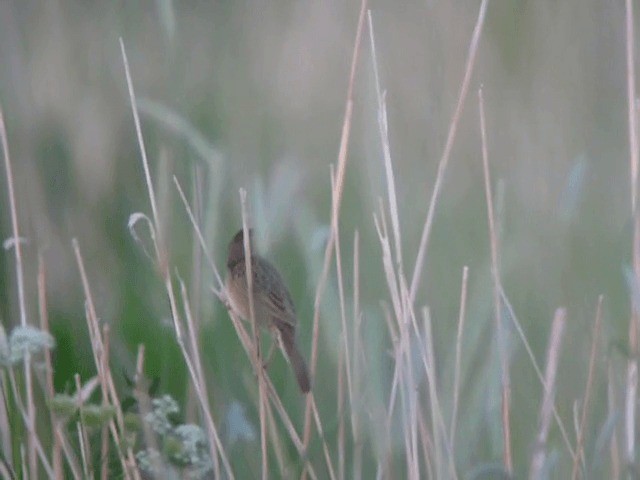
<point>238,293</point>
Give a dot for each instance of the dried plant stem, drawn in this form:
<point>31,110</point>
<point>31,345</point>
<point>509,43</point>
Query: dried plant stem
<point>23,413</point>
<point>144,405</point>
<point>440,440</point>
<point>16,240</point>
<point>4,471</point>
<point>31,415</point>
<point>403,309</point>
<point>325,448</point>
<point>195,297</point>
<point>257,360</point>
<point>6,447</point>
<point>143,150</point>
<point>215,443</point>
<point>595,336</point>
<point>404,375</point>
<point>440,436</point>
<point>104,448</point>
<point>276,443</point>
<point>199,384</point>
<point>358,355</point>
<point>612,408</point>
<point>390,273</point>
<point>196,227</point>
<point>242,333</point>
<point>383,127</point>
<point>495,272</point>
<point>392,285</point>
<point>246,341</point>
<point>427,445</point>
<point>340,408</point>
<point>17,250</point>
<point>341,297</point>
<point>335,213</point>
<point>444,160</point>
<point>247,344</point>
<point>344,335</point>
<point>58,444</point>
<point>106,381</point>
<point>456,373</point>
<point>631,105</point>
<point>632,364</point>
<point>83,438</point>
<point>553,354</point>
<point>536,367</point>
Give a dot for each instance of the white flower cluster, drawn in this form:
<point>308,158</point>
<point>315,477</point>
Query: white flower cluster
<point>23,341</point>
<point>184,446</point>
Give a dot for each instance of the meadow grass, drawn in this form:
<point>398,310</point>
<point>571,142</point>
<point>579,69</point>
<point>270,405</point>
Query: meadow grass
<point>455,384</point>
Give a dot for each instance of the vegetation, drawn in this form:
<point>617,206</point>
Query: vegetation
<point>445,188</point>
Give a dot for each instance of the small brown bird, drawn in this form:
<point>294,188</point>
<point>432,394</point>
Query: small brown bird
<point>272,304</point>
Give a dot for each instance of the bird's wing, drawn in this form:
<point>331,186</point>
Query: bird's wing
<point>279,305</point>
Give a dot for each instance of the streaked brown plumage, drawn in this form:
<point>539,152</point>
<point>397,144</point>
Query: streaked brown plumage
<point>272,304</point>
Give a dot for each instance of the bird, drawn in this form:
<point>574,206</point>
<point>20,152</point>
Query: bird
<point>272,304</point>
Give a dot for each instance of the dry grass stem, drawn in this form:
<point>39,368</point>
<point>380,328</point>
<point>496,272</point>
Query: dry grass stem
<point>612,409</point>
<point>203,243</point>
<point>199,384</point>
<point>16,240</point>
<point>104,441</point>
<point>24,415</point>
<point>83,438</point>
<point>396,393</point>
<point>144,404</point>
<point>240,331</point>
<point>57,445</point>
<point>456,372</point>
<point>440,439</point>
<point>398,335</point>
<point>143,150</point>
<point>536,367</point>
<point>631,104</point>
<point>358,360</point>
<point>595,337</point>
<point>341,415</point>
<point>427,445</point>
<point>444,160</point>
<point>383,126</point>
<point>104,375</point>
<point>247,344</point>
<point>632,365</point>
<point>495,273</point>
<point>343,313</point>
<point>276,444</point>
<point>387,263</point>
<point>257,360</point>
<point>325,447</point>
<point>22,309</point>
<point>335,212</point>
<point>162,263</point>
<point>553,354</point>
<point>5,430</point>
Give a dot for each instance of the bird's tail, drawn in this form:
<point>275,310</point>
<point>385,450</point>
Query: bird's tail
<point>296,359</point>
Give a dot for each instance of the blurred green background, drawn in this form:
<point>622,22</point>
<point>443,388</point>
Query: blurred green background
<point>252,94</point>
